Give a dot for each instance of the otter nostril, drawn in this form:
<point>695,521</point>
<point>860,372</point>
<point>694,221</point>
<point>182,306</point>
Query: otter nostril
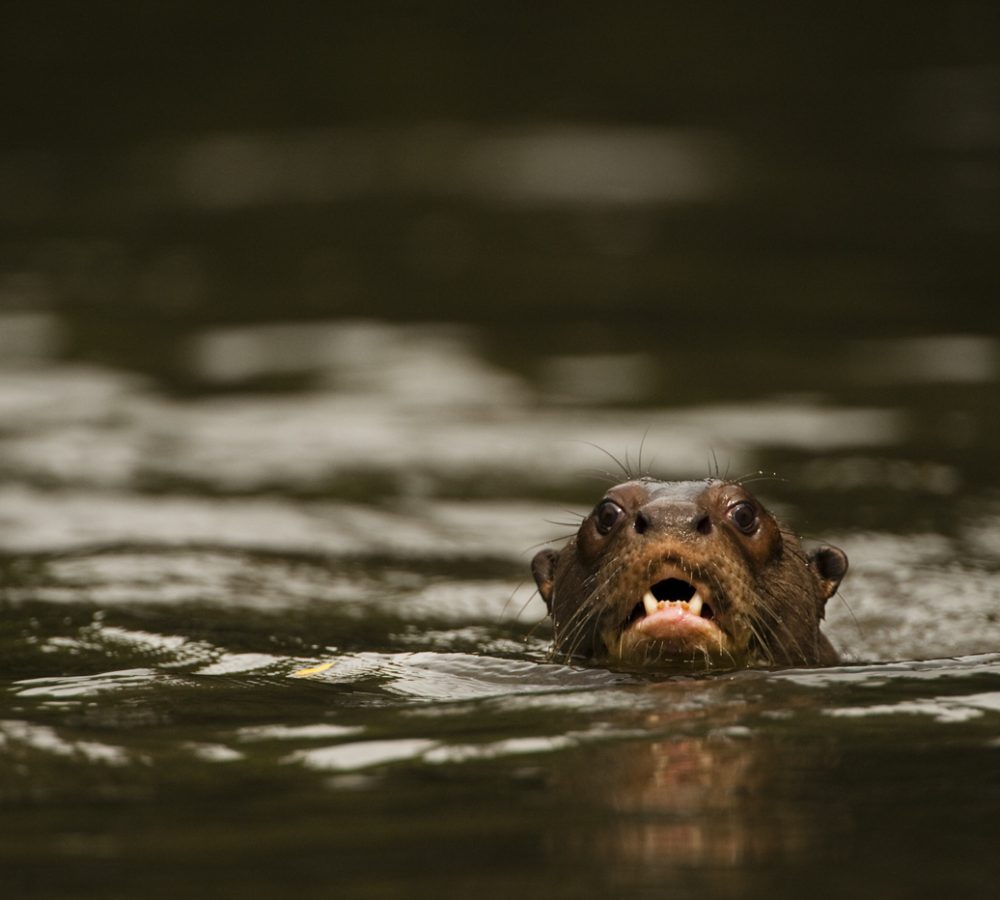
<point>641,523</point>
<point>703,525</point>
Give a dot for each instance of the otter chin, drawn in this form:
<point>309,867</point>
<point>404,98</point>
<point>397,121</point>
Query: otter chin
<point>690,575</point>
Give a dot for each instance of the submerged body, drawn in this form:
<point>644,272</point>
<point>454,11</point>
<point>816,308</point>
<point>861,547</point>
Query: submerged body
<point>694,574</point>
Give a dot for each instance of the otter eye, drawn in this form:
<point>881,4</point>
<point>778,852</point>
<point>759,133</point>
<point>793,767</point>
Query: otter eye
<point>606,516</point>
<point>744,517</point>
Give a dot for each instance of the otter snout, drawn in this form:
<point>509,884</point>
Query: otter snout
<point>679,518</point>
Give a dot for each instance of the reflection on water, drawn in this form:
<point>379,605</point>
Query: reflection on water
<point>541,166</point>
<point>942,359</point>
<point>415,403</point>
<point>549,164</point>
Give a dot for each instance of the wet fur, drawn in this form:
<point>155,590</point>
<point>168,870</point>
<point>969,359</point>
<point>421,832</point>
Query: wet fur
<point>770,593</point>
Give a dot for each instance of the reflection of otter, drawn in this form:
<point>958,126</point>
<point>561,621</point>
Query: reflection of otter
<point>699,801</point>
<point>693,573</point>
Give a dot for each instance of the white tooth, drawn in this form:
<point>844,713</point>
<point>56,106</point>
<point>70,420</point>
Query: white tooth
<point>650,602</point>
<point>694,604</point>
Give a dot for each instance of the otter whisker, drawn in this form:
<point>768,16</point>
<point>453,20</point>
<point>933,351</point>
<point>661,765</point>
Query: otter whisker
<point>601,476</point>
<point>760,640</point>
<point>575,524</point>
<point>550,540</point>
<point>643,470</point>
<point>625,469</point>
<point>574,627</point>
<point>765,623</point>
<point>759,475</point>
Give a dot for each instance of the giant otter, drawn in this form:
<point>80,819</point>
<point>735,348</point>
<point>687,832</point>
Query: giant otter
<point>694,574</point>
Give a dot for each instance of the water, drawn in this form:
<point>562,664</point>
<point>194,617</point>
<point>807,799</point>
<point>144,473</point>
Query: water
<point>271,643</point>
<point>297,375</point>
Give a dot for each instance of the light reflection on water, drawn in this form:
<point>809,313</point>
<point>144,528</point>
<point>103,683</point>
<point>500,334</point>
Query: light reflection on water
<point>398,401</point>
<point>548,164</point>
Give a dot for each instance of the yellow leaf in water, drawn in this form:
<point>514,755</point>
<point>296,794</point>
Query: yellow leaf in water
<point>312,670</point>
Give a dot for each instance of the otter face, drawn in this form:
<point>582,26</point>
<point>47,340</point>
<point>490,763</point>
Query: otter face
<point>690,574</point>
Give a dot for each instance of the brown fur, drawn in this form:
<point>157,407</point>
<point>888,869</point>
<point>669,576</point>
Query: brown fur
<point>765,596</point>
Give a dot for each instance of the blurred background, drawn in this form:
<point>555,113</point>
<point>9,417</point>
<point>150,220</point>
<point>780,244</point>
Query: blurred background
<point>467,209</point>
<point>567,179</point>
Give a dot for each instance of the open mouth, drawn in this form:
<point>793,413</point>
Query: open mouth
<point>670,599</point>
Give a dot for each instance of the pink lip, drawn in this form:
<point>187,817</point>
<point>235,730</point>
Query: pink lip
<point>674,620</point>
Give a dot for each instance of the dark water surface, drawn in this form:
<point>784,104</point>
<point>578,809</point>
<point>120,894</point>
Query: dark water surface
<point>312,325</point>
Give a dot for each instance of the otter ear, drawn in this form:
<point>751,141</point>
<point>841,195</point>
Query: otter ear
<point>830,566</point>
<point>543,567</point>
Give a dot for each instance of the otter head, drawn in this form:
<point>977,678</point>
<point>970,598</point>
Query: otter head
<point>691,574</point>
